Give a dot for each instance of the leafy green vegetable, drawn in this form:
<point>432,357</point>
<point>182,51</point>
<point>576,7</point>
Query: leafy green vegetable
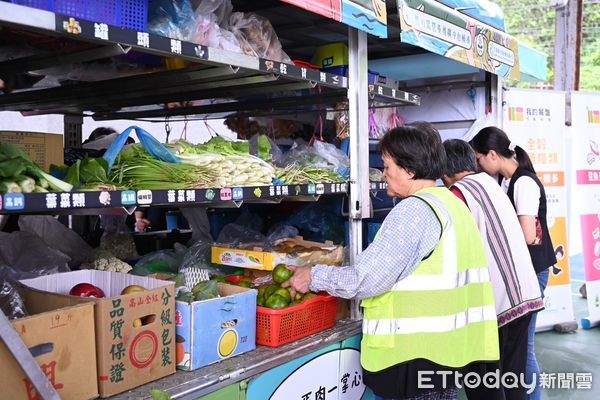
<point>17,166</point>
<point>72,175</point>
<point>136,169</point>
<point>159,394</point>
<point>264,147</point>
<point>93,170</point>
<point>11,168</point>
<point>89,171</point>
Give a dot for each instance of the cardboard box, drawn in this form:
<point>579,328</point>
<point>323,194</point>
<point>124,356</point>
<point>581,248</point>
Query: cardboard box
<point>257,258</point>
<point>62,341</point>
<point>135,333</point>
<point>43,148</point>
<point>211,330</point>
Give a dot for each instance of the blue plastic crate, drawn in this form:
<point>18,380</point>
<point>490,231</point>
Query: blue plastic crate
<point>130,14</point>
<point>342,70</point>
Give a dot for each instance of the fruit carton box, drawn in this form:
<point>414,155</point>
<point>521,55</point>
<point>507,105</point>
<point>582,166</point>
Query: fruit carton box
<point>289,251</point>
<point>211,330</point>
<point>135,332</point>
<point>62,341</point>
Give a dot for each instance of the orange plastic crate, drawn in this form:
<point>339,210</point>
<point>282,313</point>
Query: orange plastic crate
<point>278,327</point>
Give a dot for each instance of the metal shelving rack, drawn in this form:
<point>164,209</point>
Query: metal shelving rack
<point>96,202</point>
<point>213,74</point>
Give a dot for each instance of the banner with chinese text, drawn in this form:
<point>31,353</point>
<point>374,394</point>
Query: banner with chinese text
<point>585,149</point>
<point>447,32</point>
<point>535,120</point>
<point>367,15</point>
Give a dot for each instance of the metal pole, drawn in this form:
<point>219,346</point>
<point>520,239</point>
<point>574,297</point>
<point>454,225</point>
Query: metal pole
<point>359,206</point>
<point>567,47</point>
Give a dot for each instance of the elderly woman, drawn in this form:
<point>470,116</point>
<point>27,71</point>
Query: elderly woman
<point>424,281</point>
<point>515,283</point>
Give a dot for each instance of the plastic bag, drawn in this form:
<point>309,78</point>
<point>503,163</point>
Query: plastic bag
<point>264,147</point>
<point>171,18</point>
<point>319,222</point>
<point>155,148</point>
<point>208,33</point>
<point>197,256</point>
<point>58,236</point>
<point>281,231</point>
<point>117,238</point>
<point>158,261</point>
<point>375,175</point>
<point>198,221</point>
<point>257,37</point>
<point>236,234</point>
<point>11,302</point>
<point>221,9</point>
<point>114,224</point>
<point>28,256</point>
<point>319,155</point>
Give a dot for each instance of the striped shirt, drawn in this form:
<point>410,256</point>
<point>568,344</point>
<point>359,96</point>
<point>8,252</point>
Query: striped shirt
<point>409,233</point>
<point>516,288</point>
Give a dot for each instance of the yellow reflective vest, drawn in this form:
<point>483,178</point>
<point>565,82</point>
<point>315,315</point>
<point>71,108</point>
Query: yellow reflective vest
<point>444,310</point>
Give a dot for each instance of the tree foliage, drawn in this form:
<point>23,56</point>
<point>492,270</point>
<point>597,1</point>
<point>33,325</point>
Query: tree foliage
<point>533,22</point>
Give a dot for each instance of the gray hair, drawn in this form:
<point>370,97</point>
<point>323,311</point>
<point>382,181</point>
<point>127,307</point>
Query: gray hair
<point>460,157</point>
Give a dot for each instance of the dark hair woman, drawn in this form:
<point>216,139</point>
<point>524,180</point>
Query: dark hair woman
<point>419,281</point>
<point>498,155</point>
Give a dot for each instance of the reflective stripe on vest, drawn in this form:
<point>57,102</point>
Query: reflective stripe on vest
<point>444,310</point>
<point>445,323</point>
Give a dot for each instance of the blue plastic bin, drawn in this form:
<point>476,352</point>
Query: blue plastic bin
<point>342,70</point>
<point>130,14</point>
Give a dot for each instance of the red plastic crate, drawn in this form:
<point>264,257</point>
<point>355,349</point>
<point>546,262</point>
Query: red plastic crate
<point>278,327</point>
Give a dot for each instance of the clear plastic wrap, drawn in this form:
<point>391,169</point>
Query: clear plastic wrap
<point>117,237</point>
<point>221,9</point>
<point>264,147</point>
<point>375,175</point>
<point>319,155</point>
<point>28,256</point>
<point>171,18</point>
<point>58,236</point>
<point>257,37</point>
<point>207,32</point>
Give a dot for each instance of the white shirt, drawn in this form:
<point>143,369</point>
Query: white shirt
<point>526,195</point>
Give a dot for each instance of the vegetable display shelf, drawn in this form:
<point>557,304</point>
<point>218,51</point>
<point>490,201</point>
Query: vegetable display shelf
<point>214,74</point>
<point>56,203</point>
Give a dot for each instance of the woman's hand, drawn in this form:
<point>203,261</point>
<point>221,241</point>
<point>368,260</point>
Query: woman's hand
<point>141,224</point>
<point>300,281</point>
